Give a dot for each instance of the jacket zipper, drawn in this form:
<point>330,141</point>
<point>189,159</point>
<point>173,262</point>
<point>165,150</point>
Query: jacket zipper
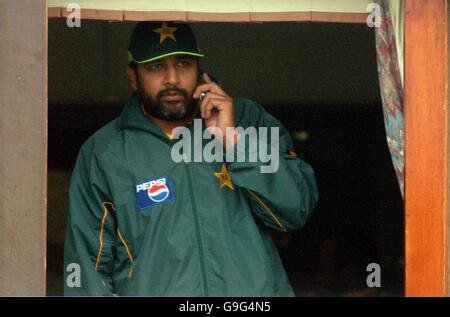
<point>197,230</point>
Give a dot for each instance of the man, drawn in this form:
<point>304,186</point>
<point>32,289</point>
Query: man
<point>142,223</point>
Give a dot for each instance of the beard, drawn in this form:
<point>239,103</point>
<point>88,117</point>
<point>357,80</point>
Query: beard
<point>165,109</point>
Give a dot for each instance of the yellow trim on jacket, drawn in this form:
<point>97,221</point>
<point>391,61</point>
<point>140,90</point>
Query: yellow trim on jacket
<point>268,209</point>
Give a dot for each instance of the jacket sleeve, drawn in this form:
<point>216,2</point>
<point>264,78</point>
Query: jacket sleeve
<point>284,194</point>
<point>90,239</point>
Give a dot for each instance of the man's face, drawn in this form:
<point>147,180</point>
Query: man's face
<point>166,87</point>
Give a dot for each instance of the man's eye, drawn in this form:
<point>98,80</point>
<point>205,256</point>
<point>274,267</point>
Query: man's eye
<point>155,66</point>
<point>183,63</point>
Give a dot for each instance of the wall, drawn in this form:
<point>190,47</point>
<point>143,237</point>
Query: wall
<point>23,147</point>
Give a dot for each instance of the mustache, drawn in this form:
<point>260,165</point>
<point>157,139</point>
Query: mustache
<point>172,90</point>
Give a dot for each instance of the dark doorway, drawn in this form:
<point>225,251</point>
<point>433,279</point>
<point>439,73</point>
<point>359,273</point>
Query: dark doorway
<point>319,80</point>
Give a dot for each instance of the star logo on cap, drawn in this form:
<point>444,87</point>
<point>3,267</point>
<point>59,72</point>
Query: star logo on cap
<point>165,32</point>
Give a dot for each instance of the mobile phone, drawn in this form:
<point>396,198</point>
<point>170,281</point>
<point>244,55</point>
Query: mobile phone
<point>200,76</point>
<point>200,81</point>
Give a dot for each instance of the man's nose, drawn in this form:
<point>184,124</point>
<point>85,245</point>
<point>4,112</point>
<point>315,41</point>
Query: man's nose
<point>171,77</point>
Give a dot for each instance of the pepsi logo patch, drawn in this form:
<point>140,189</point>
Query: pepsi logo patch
<point>151,192</point>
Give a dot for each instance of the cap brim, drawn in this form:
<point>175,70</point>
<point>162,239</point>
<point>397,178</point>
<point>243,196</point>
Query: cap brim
<point>132,59</point>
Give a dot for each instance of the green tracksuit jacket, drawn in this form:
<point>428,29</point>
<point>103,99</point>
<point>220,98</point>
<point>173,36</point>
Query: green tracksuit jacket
<point>142,224</point>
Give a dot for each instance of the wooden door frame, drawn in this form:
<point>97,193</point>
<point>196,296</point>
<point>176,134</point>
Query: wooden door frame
<point>23,147</point>
<point>426,150</point>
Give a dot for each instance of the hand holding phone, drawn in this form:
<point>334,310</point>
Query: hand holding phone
<point>216,107</point>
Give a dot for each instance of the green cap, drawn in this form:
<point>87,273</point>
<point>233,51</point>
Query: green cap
<point>154,40</point>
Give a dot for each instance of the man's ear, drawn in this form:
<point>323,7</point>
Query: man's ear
<point>133,77</point>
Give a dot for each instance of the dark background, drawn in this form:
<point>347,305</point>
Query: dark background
<point>320,80</point>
